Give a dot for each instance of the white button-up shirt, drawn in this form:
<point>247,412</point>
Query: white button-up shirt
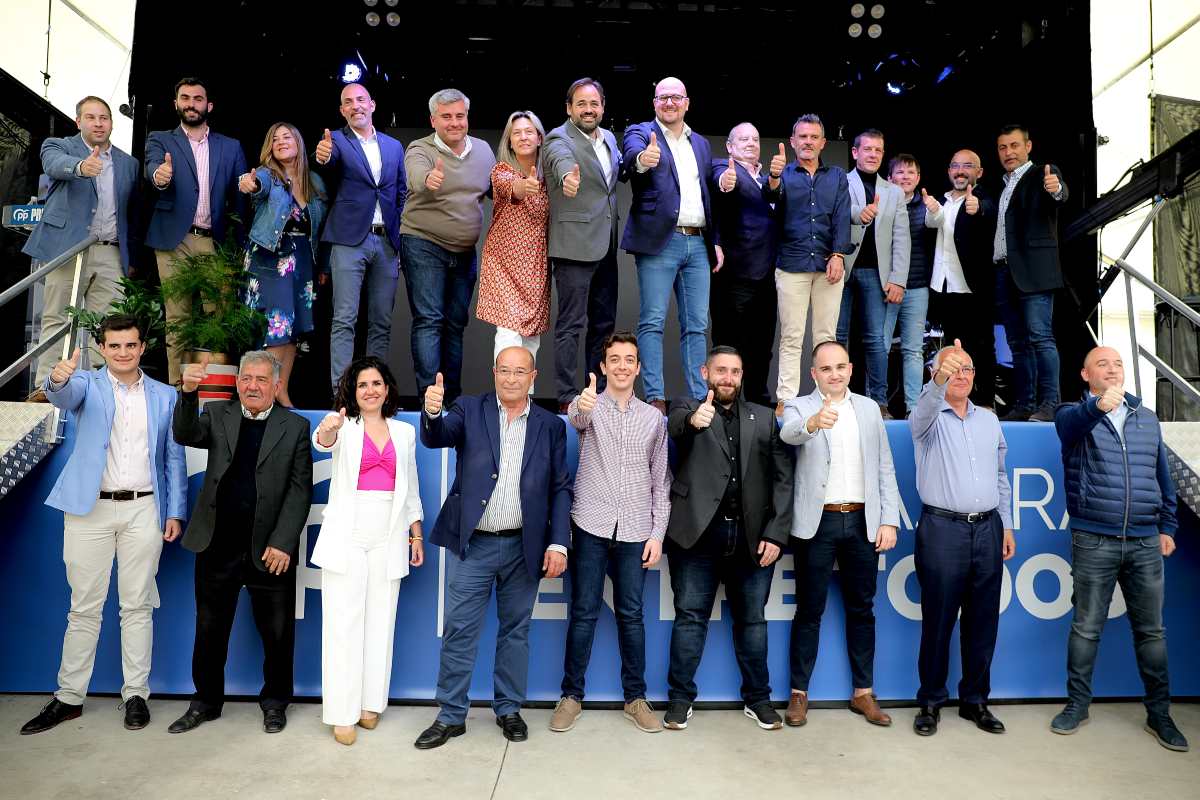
<point>596,138</point>
<point>370,146</point>
<point>691,199</point>
<point>846,483</point>
<point>947,275</point>
<point>127,467</point>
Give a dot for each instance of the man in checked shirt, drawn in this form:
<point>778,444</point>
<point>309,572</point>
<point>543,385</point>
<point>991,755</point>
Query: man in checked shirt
<point>618,521</point>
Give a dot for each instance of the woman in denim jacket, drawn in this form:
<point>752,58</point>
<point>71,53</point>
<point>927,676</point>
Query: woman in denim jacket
<point>289,206</point>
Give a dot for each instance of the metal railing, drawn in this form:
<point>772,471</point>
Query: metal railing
<point>67,330</point>
<point>1130,274</point>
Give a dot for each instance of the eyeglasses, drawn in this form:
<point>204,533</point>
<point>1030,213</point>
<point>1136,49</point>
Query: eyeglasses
<point>966,371</point>
<point>509,372</point>
<point>670,98</point>
<point>963,165</point>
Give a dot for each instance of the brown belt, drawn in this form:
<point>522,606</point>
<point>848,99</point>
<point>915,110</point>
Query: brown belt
<point>688,230</point>
<point>844,508</point>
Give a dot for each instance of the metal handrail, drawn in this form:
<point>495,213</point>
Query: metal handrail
<point>1161,293</point>
<point>20,286</point>
<point>1174,377</point>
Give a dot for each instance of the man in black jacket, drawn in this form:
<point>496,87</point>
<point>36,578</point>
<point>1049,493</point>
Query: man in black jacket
<point>245,530</point>
<point>731,514</point>
<point>1025,251</point>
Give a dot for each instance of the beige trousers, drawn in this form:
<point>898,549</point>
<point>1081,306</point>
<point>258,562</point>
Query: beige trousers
<point>101,261</point>
<point>191,245</point>
<point>796,290</point>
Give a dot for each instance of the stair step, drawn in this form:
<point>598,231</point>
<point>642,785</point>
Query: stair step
<point>1183,455</point>
<point>27,434</point>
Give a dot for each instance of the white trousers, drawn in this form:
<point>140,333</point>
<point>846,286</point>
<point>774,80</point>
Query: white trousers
<point>358,620</point>
<point>129,529</point>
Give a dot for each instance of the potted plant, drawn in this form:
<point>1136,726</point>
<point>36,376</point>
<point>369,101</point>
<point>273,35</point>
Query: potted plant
<point>219,323</point>
<point>137,300</point>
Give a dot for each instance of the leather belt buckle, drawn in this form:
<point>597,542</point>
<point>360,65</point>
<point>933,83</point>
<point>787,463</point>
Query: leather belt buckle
<point>687,230</point>
<point>379,230</point>
<point>124,495</point>
<point>974,516</point>
<point>196,230</point>
<point>107,243</point>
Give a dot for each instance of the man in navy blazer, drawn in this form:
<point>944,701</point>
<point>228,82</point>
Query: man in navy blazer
<point>670,234</point>
<point>195,172</point>
<point>743,280</point>
<point>506,522</point>
<point>93,190</point>
<point>123,492</point>
<point>366,169</point>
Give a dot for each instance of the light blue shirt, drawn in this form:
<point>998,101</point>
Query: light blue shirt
<point>960,461</point>
<point>1117,417</point>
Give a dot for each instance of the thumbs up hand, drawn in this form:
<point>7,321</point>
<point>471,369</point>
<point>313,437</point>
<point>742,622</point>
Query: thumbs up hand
<point>702,417</point>
<point>434,396</point>
<point>931,204</point>
<point>195,373</point>
<point>778,162</point>
<point>533,184</point>
<point>587,398</point>
<point>325,148</point>
<point>248,183</point>
<point>1111,399</point>
<point>1051,182</point>
<point>971,204</point>
<point>952,361</point>
<point>330,425</point>
<point>870,211</point>
<point>91,166</point>
<point>164,173</point>
<point>728,178</point>
<point>649,157</point>
<point>570,184</point>
<point>435,176</point>
<point>824,419</point>
<point>63,370</point>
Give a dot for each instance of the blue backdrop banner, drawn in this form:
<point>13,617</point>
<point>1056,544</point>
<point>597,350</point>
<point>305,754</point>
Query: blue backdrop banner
<point>1030,657</point>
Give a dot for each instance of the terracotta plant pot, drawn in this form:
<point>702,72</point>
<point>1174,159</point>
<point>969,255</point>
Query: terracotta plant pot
<point>220,381</point>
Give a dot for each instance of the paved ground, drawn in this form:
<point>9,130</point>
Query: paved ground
<point>721,754</point>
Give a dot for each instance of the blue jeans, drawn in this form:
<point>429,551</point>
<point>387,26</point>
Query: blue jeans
<point>1029,327</point>
<point>593,557</point>
<point>440,285</point>
<point>1098,563</point>
<point>375,259</point>
<point>864,287</point>
<point>911,314</point>
<point>498,560</point>
<point>683,265</point>
<point>720,556</point>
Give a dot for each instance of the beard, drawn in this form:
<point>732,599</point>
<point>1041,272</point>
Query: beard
<point>182,113</point>
<point>588,125</point>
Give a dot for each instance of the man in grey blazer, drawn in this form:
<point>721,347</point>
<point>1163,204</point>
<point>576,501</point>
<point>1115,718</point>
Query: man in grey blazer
<point>582,165</point>
<point>846,509</point>
<point>877,267</point>
<point>93,190</point>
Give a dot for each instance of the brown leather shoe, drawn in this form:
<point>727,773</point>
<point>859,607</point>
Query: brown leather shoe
<point>866,705</point>
<point>797,710</point>
<point>37,396</point>
<point>661,405</point>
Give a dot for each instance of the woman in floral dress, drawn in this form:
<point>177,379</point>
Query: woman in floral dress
<point>289,206</point>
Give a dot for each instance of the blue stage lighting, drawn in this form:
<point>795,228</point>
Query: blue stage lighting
<point>351,72</point>
<point>893,88</point>
<point>945,73</point>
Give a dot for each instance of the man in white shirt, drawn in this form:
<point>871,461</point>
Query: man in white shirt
<point>963,280</point>
<point>846,509</point>
<point>122,493</point>
<point>670,234</point>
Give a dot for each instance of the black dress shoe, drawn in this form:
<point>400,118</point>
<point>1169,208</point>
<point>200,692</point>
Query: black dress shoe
<point>192,718</point>
<point>137,715</point>
<point>515,729</point>
<point>274,720</point>
<point>926,721</point>
<point>437,735</point>
<point>983,719</point>
<point>51,714</point>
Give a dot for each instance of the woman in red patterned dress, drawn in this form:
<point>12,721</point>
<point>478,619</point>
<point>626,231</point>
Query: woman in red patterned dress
<point>514,276</point>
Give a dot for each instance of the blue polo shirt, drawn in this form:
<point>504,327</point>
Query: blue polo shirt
<point>812,214</point>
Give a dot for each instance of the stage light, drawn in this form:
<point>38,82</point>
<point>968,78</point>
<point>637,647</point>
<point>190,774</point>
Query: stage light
<point>372,19</point>
<point>392,3</point>
<point>371,3</point>
<point>945,73</point>
<point>351,73</point>
<point>893,88</point>
<point>857,10</point>
<point>877,11</point>
<point>393,19</point>
<point>855,30</point>
<point>875,31</point>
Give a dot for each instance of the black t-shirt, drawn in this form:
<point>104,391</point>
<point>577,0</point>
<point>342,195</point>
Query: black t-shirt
<point>867,254</point>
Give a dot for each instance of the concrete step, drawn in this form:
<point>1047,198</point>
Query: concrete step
<point>1183,454</point>
<point>28,432</point>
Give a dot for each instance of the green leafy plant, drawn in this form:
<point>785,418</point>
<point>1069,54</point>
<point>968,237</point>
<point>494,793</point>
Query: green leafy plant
<point>219,320</point>
<point>139,301</point>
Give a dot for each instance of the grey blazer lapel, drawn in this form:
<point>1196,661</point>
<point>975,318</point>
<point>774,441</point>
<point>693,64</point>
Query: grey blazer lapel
<point>272,435</point>
<point>233,425</point>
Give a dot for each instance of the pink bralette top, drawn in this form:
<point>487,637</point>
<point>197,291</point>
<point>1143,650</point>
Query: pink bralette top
<point>377,472</point>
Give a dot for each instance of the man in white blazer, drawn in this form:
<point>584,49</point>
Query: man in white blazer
<point>846,509</point>
<point>122,493</point>
<point>877,267</point>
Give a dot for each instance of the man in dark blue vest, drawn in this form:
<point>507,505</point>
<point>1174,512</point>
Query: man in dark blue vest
<point>1122,504</point>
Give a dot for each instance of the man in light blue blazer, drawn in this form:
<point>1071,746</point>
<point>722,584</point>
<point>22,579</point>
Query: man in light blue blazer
<point>93,190</point>
<point>846,509</point>
<point>877,267</point>
<point>123,492</point>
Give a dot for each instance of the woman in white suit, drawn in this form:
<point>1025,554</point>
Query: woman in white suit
<point>370,535</point>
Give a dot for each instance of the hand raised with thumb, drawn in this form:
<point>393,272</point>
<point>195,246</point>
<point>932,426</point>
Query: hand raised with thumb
<point>729,177</point>
<point>870,211</point>
<point>1050,181</point>
<point>91,166</point>
<point>325,148</point>
<point>570,185</point>
<point>651,155</point>
<point>778,162</point>
<point>587,398</point>
<point>63,370</point>
<point>434,395</point>
<point>971,203</point>
<point>195,373</point>
<point>931,203</point>
<point>702,417</point>
<point>165,171</point>
<point>435,176</point>
<point>825,418</point>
